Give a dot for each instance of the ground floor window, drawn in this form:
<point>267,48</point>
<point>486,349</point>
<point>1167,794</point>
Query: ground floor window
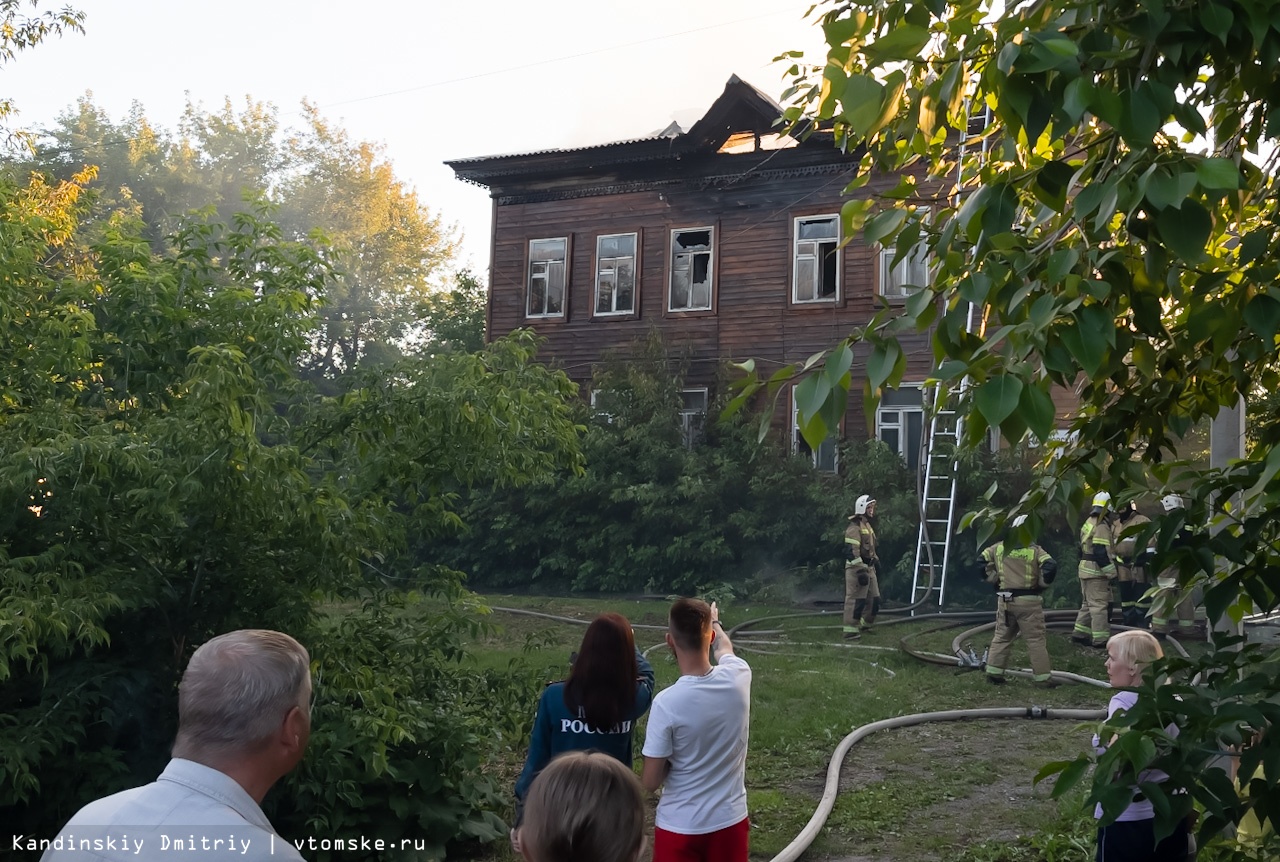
<point>900,422</point>
<point>826,457</point>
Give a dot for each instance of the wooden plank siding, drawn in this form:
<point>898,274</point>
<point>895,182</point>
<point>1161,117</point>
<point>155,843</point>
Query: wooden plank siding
<point>753,316</point>
<point>674,180</point>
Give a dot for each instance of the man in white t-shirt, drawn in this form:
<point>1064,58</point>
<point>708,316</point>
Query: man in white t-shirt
<point>696,743</point>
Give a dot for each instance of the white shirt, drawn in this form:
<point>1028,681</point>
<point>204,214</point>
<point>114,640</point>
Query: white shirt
<point>208,812</point>
<point>700,725</point>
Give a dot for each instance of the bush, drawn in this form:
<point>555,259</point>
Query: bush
<point>649,515</point>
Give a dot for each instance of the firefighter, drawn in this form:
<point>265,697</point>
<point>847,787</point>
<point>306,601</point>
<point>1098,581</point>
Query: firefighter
<point>861,563</point>
<point>1131,569</point>
<point>1096,573</point>
<point>1021,571</point>
<point>1170,601</point>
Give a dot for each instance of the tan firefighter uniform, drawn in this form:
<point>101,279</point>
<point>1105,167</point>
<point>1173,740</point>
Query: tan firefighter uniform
<point>1131,569</point>
<point>860,581</point>
<point>1021,576</point>
<point>1171,603</point>
<point>1096,572</point>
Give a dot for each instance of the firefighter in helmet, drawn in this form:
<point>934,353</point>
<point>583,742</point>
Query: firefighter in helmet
<point>1021,571</point>
<point>1096,572</point>
<point>860,583</point>
<point>1172,603</point>
<point>1131,568</point>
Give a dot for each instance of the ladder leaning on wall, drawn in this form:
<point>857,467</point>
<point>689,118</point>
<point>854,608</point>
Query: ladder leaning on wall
<point>946,430</point>
<point>937,503</point>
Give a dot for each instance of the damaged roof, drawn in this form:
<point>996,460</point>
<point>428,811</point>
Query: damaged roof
<point>740,108</point>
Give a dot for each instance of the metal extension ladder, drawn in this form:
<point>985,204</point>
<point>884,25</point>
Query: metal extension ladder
<point>937,504</point>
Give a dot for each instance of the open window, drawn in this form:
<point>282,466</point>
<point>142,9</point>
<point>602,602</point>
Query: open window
<point>692,268</point>
<point>547,277</point>
<point>616,274</point>
<point>816,259</point>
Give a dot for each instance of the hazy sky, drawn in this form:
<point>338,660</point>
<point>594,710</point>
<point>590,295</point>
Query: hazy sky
<point>429,79</point>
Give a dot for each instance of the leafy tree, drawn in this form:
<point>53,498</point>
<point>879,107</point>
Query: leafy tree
<point>390,253</point>
<point>19,32</point>
<point>648,514</point>
<point>166,475</point>
<point>1113,223</point>
<point>454,318</point>
<point>392,249</point>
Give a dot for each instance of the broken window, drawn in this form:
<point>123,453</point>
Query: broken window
<point>615,273</point>
<point>691,269</point>
<point>546,277</point>
<point>817,258</point>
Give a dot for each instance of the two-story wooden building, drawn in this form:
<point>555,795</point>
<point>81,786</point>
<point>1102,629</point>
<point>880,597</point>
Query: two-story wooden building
<point>725,237</point>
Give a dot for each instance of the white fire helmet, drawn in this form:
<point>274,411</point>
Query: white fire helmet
<point>1101,500</point>
<point>1171,502</point>
<point>863,503</point>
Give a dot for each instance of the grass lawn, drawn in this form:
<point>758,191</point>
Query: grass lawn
<point>953,790</point>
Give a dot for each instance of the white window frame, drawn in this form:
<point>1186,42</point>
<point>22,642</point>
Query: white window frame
<point>545,275</point>
<point>914,267</point>
<point>816,256</point>
<point>608,266</point>
<point>827,456</point>
<point>673,257</point>
<point>894,417</point>
<point>693,418</point>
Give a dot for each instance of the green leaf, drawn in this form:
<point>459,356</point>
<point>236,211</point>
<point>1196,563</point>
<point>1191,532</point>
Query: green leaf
<point>1254,245</point>
<point>842,31</point>
<point>998,398</point>
<point>883,224</point>
<point>1262,314</point>
<point>1186,231</point>
<point>1001,208</point>
<point>1070,773</point>
<point>861,102</point>
<point>1141,119</point>
<point>1076,97</point>
<point>853,215</point>
<point>1088,337</point>
<point>1166,190</point>
<point>903,43</point>
<point>1216,19</point>
<point>1218,173</point>
<point>838,364</point>
<point>1061,262</point>
<point>1036,408</point>
<point>883,363</point>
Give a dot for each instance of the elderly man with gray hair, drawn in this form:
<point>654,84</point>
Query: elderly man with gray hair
<point>244,720</point>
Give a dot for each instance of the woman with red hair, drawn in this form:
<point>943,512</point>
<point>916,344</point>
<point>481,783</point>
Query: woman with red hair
<point>610,685</point>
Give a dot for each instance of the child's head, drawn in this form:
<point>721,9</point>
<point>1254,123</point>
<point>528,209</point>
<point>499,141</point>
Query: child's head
<point>584,807</point>
<point>1128,655</point>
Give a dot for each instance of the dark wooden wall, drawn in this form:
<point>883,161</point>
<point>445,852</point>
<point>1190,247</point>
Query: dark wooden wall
<point>753,315</point>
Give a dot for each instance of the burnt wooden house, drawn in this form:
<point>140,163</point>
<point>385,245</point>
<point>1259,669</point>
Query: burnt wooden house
<point>725,238</point>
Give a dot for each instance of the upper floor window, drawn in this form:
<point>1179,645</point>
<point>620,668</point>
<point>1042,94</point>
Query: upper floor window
<point>616,273</point>
<point>909,275</point>
<point>817,256</point>
<point>693,415</point>
<point>547,277</point>
<point>691,269</point>
<point>826,457</point>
